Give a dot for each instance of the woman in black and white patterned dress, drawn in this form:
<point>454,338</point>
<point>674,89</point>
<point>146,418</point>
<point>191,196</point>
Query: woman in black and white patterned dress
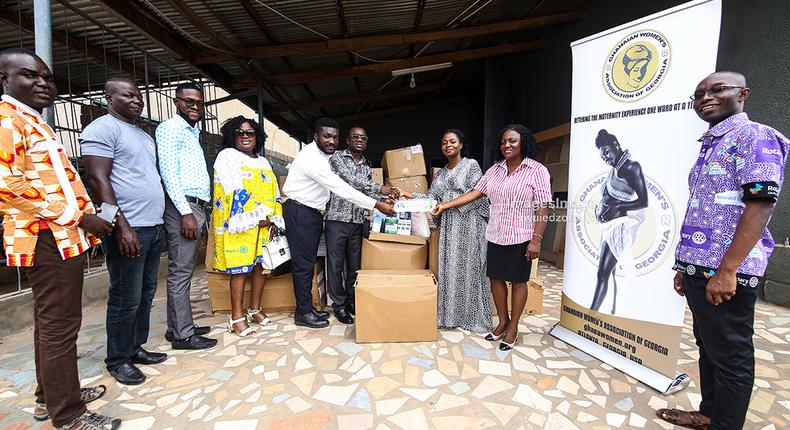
<point>464,292</point>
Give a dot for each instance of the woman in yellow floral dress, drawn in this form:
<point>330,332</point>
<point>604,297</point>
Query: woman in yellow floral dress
<point>246,208</point>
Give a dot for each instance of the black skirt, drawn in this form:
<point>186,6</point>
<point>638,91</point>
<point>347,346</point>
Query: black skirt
<point>508,262</point>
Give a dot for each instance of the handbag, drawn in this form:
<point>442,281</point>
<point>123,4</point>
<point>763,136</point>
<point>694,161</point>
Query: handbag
<point>276,252</point>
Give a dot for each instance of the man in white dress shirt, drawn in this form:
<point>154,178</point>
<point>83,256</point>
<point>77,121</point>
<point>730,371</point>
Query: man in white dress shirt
<point>309,182</point>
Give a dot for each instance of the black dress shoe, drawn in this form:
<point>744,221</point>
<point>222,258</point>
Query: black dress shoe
<point>324,315</point>
<point>350,308</point>
<point>201,330</point>
<point>146,357</point>
<point>343,316</point>
<point>195,341</point>
<point>128,374</point>
<point>310,320</point>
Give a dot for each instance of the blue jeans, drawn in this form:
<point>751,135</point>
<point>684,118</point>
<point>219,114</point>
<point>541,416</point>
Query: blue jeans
<point>132,288</point>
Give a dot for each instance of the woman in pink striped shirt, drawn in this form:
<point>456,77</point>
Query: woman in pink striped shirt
<point>519,190</point>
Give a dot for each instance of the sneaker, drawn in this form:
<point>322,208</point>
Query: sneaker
<point>91,421</point>
<point>88,394</point>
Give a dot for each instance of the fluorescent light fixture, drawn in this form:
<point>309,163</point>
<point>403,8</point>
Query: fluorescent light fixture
<point>428,68</point>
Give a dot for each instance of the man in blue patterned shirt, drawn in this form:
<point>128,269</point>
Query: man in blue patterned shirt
<point>725,245</point>
<point>188,188</point>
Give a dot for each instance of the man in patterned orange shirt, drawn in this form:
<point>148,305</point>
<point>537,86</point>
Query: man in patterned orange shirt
<point>49,222</point>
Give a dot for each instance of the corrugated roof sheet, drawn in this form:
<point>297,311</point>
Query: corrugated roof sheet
<point>104,32</point>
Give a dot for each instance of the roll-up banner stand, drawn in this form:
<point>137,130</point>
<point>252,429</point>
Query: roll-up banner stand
<point>633,140</point>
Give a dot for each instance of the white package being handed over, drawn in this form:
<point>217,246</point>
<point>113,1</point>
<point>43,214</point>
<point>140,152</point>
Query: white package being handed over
<point>415,205</point>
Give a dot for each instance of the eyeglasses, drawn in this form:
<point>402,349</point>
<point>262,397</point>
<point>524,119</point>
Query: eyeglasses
<point>359,137</point>
<point>716,89</point>
<point>189,102</point>
<point>242,133</point>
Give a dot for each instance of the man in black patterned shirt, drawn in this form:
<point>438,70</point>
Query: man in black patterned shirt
<point>344,223</point>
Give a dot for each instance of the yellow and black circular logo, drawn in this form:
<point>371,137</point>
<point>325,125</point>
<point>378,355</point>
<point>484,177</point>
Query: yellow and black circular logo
<point>636,65</point>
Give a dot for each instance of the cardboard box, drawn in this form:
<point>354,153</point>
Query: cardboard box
<point>393,252</point>
<point>413,184</point>
<point>403,162</point>
<point>278,293</point>
<point>378,175</point>
<point>396,306</point>
<point>534,298</point>
<point>382,237</point>
<point>433,252</point>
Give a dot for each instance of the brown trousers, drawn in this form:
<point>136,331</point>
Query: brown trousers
<point>57,313</point>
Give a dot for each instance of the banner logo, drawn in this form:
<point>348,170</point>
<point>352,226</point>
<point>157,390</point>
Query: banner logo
<point>652,242</point>
<point>637,65</point>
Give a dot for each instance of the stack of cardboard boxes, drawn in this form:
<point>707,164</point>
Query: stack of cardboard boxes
<point>405,168</point>
<point>396,298</point>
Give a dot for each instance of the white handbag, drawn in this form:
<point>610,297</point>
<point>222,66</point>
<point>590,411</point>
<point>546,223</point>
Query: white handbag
<point>275,253</point>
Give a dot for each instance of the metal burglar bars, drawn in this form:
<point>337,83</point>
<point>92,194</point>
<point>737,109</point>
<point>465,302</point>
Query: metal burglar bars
<point>81,66</point>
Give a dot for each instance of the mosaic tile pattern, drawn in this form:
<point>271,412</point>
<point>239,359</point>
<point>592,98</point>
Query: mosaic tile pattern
<point>288,378</point>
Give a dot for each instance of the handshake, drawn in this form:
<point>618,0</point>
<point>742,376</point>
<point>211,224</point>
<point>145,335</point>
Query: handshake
<point>386,206</point>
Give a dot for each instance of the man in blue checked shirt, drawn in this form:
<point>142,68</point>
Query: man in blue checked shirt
<point>182,167</point>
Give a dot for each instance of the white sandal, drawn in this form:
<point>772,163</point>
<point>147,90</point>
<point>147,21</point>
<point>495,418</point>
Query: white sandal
<point>247,332</point>
<point>251,317</point>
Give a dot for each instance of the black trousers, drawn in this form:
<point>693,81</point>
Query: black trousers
<point>726,352</point>
<point>303,227</point>
<point>343,249</point>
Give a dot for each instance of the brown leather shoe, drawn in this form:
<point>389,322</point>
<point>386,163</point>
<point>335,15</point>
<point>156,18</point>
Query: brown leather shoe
<point>690,420</point>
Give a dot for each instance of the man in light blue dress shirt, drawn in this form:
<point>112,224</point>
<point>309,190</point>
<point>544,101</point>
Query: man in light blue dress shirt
<point>182,167</point>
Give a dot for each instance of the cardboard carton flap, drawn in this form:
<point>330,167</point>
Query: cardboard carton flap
<point>398,238</point>
<point>395,278</point>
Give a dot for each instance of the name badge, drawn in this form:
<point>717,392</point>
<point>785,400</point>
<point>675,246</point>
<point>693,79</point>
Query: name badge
<point>715,168</point>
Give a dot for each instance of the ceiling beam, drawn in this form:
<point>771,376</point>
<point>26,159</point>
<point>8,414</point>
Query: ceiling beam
<point>69,40</point>
<point>168,39</point>
<point>172,42</point>
<point>416,26</point>
<point>258,76</point>
<point>341,13</point>
<point>369,69</point>
<point>129,13</point>
<point>272,39</point>
<point>356,98</point>
<point>371,42</point>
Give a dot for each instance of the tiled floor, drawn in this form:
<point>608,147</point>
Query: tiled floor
<point>287,378</point>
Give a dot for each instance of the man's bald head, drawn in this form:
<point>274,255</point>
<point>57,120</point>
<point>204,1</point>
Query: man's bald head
<point>124,100</point>
<point>734,77</point>
<point>6,56</point>
<point>118,82</point>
